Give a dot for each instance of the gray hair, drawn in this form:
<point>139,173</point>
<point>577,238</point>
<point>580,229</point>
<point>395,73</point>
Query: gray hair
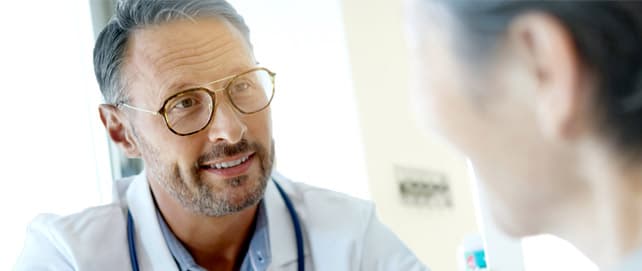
<point>134,14</point>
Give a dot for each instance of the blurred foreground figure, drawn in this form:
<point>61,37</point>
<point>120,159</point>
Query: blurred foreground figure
<point>545,98</point>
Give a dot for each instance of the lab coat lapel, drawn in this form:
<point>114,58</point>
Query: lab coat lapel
<point>281,229</point>
<point>153,253</point>
<point>150,241</point>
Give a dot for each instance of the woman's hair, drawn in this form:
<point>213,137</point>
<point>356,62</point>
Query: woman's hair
<point>608,39</point>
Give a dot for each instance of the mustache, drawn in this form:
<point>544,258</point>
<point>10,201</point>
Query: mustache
<point>224,150</point>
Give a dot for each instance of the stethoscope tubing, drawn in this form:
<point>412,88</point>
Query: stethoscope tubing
<point>131,241</point>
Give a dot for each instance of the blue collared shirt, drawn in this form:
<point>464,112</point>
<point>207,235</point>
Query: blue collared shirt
<point>258,256</point>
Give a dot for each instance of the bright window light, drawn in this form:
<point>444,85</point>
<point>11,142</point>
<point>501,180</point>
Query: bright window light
<point>54,152</point>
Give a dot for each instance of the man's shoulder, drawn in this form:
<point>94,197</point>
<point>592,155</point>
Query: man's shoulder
<point>92,219</point>
<point>95,217</point>
<point>329,198</point>
<point>71,241</point>
<point>321,203</point>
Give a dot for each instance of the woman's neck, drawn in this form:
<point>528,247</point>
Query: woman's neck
<point>608,224</point>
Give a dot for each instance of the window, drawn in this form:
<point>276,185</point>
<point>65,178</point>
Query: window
<point>54,152</point>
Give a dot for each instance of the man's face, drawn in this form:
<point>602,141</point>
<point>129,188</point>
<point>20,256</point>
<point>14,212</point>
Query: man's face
<point>165,59</point>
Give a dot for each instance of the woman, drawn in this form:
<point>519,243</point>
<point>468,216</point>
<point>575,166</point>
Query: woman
<point>545,98</point>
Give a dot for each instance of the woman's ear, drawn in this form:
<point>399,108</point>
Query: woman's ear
<point>550,52</point>
<point>120,133</point>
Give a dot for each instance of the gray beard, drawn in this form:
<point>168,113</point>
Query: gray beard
<point>204,200</point>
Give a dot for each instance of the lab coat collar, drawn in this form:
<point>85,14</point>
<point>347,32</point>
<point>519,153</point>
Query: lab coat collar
<point>281,228</point>
<point>153,253</point>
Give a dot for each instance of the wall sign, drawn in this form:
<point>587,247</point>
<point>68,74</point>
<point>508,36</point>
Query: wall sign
<point>419,187</point>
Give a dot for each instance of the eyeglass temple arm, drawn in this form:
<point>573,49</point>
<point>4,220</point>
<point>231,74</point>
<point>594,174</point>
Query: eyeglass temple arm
<point>227,78</point>
<point>219,80</point>
<point>139,109</point>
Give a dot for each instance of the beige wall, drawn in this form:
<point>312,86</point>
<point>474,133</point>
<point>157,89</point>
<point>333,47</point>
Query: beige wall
<point>379,67</point>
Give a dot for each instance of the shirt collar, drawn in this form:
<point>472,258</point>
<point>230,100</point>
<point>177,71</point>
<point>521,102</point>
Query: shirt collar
<point>150,238</point>
<point>258,256</point>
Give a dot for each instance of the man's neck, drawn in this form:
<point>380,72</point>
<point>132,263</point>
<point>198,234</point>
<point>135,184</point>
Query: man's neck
<point>215,243</point>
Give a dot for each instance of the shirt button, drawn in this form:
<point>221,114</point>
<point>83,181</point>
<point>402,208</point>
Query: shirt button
<point>260,256</point>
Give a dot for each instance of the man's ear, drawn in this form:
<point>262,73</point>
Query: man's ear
<point>118,131</point>
<point>549,50</point>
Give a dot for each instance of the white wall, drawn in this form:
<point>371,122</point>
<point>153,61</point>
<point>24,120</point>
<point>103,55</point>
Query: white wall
<point>391,137</point>
<point>316,129</point>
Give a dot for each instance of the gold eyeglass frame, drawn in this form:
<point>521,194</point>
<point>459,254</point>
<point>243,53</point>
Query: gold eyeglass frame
<point>163,111</point>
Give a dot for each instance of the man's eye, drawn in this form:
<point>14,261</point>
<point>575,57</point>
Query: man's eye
<point>185,103</point>
<point>240,87</point>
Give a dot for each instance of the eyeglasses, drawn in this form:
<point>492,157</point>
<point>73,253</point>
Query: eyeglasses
<point>190,111</point>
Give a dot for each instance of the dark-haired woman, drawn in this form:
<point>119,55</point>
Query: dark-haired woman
<point>545,98</point>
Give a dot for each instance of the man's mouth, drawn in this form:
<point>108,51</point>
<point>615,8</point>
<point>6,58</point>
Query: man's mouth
<point>230,163</point>
<point>230,167</point>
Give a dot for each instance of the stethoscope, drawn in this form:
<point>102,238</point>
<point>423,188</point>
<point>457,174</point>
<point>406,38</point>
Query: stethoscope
<point>293,215</point>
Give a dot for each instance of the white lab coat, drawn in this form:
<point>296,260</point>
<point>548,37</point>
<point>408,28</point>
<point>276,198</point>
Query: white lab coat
<point>340,233</point>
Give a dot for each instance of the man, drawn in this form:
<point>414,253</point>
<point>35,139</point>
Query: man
<point>184,93</point>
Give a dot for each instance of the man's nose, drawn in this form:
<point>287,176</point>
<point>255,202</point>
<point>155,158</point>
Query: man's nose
<point>227,124</point>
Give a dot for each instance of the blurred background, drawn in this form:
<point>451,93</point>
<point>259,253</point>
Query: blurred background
<point>341,113</point>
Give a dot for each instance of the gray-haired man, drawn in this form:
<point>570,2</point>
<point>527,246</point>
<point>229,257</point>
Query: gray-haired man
<point>184,93</point>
